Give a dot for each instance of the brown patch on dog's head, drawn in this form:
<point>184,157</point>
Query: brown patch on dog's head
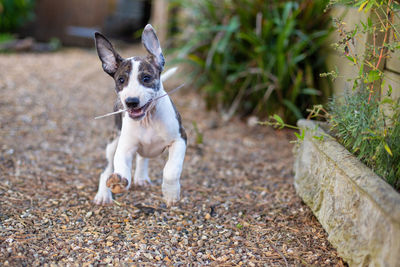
<point>149,73</point>
<point>121,76</point>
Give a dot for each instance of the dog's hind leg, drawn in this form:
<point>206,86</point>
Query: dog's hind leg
<point>104,195</point>
<point>141,172</point>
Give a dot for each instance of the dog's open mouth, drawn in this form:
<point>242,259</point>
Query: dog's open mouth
<point>138,113</point>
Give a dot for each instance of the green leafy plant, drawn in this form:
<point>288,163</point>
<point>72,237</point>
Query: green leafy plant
<point>199,135</point>
<point>360,124</point>
<point>14,13</point>
<point>256,57</point>
<point>5,37</point>
<point>365,122</point>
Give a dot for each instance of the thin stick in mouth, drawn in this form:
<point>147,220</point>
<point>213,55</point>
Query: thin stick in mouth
<point>122,110</point>
<point>109,114</point>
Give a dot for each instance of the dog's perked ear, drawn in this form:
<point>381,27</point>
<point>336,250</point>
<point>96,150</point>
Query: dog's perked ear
<point>152,45</point>
<point>107,54</point>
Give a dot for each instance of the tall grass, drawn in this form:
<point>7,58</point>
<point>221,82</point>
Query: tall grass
<point>370,134</point>
<point>255,56</point>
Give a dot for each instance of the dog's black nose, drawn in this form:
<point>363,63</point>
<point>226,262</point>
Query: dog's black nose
<point>132,102</point>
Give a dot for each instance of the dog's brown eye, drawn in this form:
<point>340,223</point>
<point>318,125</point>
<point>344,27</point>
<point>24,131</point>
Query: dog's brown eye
<point>146,78</point>
<point>121,80</point>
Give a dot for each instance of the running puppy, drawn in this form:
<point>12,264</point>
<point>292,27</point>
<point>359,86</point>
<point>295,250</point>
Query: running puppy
<point>149,125</point>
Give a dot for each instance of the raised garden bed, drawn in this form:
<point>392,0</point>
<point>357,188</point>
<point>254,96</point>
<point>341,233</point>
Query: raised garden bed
<point>358,209</point>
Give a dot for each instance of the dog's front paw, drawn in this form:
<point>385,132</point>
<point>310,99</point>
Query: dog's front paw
<point>103,198</point>
<point>117,184</point>
<point>171,193</point>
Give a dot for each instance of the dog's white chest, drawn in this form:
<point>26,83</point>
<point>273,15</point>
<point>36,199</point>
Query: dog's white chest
<point>151,145</point>
<point>151,140</point>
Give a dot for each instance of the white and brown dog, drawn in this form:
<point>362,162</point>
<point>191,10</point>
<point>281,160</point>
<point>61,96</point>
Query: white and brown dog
<point>148,127</point>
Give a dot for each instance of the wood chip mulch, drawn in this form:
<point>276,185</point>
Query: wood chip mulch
<point>238,203</point>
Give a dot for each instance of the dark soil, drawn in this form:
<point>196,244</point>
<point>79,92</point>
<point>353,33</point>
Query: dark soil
<point>238,203</point>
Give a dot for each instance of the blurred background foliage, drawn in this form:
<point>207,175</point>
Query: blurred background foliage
<point>71,22</point>
<point>15,13</point>
<point>255,56</point>
<point>249,57</point>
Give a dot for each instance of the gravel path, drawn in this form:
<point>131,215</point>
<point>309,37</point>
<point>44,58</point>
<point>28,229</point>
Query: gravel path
<point>238,205</point>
